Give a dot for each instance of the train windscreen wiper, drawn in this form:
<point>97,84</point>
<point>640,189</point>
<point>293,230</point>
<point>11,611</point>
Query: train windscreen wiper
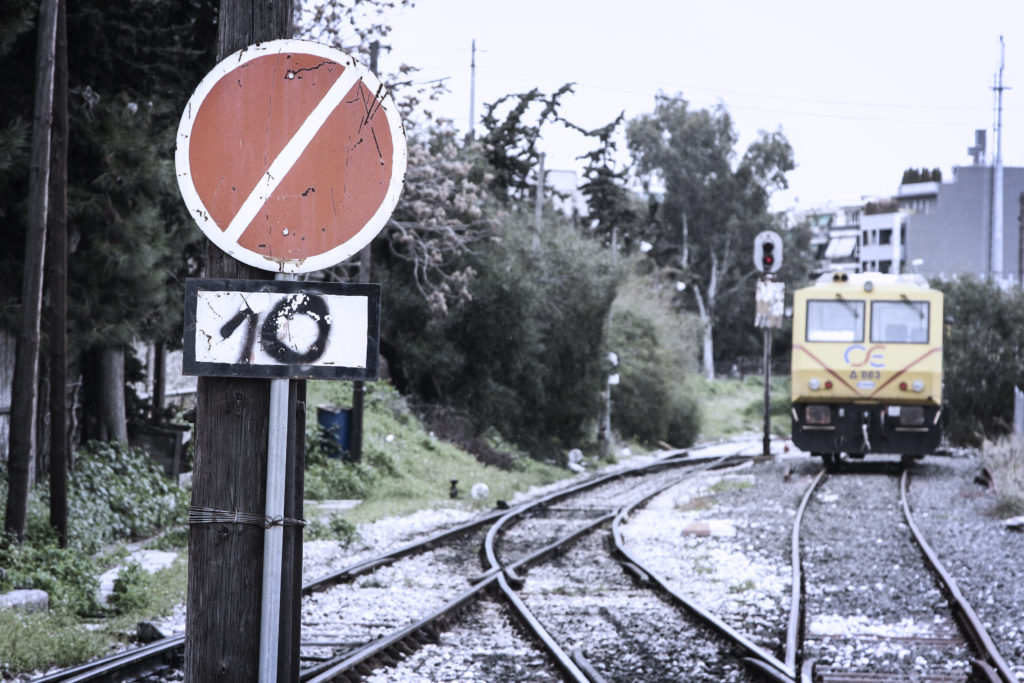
<point>849,306</point>
<point>916,305</point>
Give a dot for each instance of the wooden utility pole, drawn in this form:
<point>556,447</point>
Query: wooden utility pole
<point>56,276</point>
<point>359,387</point>
<point>225,559</point>
<point>24,388</point>
<point>538,209</point>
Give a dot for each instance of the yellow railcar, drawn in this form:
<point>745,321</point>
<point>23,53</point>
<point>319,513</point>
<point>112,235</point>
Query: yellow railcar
<point>867,366</point>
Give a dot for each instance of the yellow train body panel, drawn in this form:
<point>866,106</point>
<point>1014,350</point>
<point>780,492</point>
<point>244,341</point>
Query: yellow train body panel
<point>867,364</point>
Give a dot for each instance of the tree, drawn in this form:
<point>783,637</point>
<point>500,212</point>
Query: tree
<point>131,66</point>
<point>440,214</point>
<point>510,143</point>
<point>524,354</point>
<point>712,207</point>
<point>615,213</point>
<point>444,211</point>
<point>22,443</point>
<point>983,358</point>
<point>350,25</point>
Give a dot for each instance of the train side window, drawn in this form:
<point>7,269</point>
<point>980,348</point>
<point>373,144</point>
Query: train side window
<point>835,320</point>
<point>900,322</point>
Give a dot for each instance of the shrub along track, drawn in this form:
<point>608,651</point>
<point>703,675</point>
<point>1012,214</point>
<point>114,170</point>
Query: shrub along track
<point>847,621</point>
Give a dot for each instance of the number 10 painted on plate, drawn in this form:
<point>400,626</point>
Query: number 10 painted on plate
<point>281,329</point>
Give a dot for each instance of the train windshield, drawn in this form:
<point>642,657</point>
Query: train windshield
<point>835,320</point>
<point>899,322</point>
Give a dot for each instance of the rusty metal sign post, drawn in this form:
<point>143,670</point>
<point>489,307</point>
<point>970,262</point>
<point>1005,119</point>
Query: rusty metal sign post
<point>290,157</point>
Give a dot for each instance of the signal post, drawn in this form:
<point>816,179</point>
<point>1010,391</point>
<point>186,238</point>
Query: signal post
<point>770,306</point>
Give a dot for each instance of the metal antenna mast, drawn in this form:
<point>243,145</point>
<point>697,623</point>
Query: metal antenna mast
<point>996,265</point>
<point>472,90</point>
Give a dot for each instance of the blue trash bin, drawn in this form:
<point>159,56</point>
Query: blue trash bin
<point>336,422</point>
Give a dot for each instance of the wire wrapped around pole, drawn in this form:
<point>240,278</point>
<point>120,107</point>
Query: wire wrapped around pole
<point>204,515</point>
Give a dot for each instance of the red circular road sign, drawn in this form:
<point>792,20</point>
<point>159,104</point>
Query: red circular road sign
<point>290,156</point>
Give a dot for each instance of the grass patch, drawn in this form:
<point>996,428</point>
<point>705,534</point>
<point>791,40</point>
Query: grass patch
<point>731,484</point>
<point>697,503</point>
<point>735,407</point>
<point>404,468</point>
<point>140,596</point>
<point>702,566</point>
<point>33,642</point>
<point>1004,460</point>
<point>335,528</point>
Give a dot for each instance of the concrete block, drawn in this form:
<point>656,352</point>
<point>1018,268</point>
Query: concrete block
<point>27,600</point>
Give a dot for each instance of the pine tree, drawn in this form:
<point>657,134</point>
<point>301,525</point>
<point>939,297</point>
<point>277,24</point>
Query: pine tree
<point>132,68</point>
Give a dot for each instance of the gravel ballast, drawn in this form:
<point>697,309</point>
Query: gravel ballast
<point>723,539</point>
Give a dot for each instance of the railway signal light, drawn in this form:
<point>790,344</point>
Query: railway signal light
<point>767,256</point>
<point>767,251</point>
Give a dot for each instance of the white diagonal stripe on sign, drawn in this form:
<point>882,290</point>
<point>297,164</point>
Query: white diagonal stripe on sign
<point>289,155</point>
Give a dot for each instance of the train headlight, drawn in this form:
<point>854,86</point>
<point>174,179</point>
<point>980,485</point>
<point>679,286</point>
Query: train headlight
<point>814,384</point>
<point>818,415</point>
<point>918,386</point>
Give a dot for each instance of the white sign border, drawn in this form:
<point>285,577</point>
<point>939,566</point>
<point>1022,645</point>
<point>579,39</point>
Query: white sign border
<point>368,372</point>
<point>220,236</point>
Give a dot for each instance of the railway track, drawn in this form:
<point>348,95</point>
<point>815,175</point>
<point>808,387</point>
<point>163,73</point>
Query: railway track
<point>566,522</point>
<point>532,612</point>
<point>330,652</point>
<point>835,629</point>
<point>578,596</point>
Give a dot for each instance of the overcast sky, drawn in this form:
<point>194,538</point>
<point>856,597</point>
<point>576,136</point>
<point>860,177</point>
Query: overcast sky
<point>862,90</point>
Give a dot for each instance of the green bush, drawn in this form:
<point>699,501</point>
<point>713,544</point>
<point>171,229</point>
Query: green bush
<point>334,529</point>
<point>132,589</point>
<point>684,425</point>
<point>524,356</point>
<point>656,348</point>
<point>983,359</point>
<point>1004,461</point>
<point>114,493</point>
<point>69,577</point>
<point>119,493</point>
<point>641,409</point>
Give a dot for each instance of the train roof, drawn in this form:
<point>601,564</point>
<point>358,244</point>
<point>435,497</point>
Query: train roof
<point>881,279</point>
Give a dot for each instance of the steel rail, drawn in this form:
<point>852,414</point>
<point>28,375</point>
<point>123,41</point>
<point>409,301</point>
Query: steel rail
<point>969,620</point>
<point>759,657</point>
<point>492,533</point>
<point>795,626</point>
<point>370,565</point>
<point>383,648</point>
<point>112,668</point>
<point>386,646</point>
<point>506,572</point>
<point>562,658</point>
